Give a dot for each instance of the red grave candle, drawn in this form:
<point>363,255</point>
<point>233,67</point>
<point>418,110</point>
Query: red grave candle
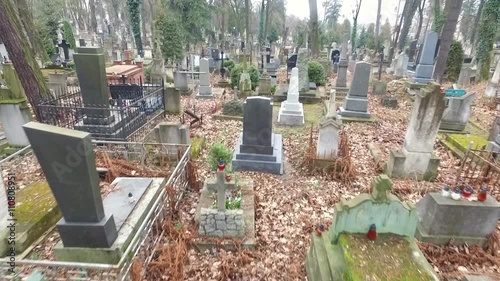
<point>483,193</point>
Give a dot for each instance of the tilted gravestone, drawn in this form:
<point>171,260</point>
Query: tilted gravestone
<point>68,162</point>
<point>457,114</point>
<point>258,148</point>
<point>416,160</point>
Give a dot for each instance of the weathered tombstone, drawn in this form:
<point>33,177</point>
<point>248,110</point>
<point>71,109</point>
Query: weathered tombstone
<point>493,88</point>
<point>302,61</point>
<point>416,160</point>
<point>330,256</point>
<point>457,114</point>
<point>292,111</point>
<point>401,65</point>
<point>258,148</point>
<point>264,84</point>
<point>494,138</point>
<point>14,110</point>
<point>442,219</point>
<point>172,100</point>
<point>172,133</point>
<point>99,119</point>
<point>68,162</point>
<point>412,50</point>
<point>328,137</point>
<point>205,88</point>
<point>59,79</point>
<point>356,103</point>
<point>181,82</point>
<point>341,80</point>
<point>425,67</point>
<point>465,74</point>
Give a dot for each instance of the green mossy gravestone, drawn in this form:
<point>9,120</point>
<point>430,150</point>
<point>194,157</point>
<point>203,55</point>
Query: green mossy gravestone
<point>337,253</point>
<point>14,110</point>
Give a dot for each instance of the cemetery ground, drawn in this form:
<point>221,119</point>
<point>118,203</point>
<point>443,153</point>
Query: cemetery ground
<point>288,207</point>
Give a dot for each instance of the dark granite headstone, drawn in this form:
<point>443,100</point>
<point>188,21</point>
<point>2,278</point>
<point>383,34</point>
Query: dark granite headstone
<point>82,42</point>
<point>257,126</point>
<point>68,162</point>
<point>335,56</point>
<point>291,62</point>
<point>412,50</point>
<point>90,64</point>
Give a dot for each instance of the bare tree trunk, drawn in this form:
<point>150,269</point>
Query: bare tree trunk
<point>396,33</point>
<point>377,26</point>
<point>313,28</point>
<point>93,20</point>
<point>420,19</point>
<point>22,57</point>
<point>452,10</point>
<point>247,29</point>
<point>475,27</point>
<point>408,19</point>
<point>143,24</point>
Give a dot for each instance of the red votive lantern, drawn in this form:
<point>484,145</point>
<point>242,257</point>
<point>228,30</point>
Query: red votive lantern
<point>467,192</point>
<point>221,165</point>
<point>372,233</point>
<point>483,193</point>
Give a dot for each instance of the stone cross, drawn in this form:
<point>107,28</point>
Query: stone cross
<point>220,185</point>
<point>65,46</point>
<point>381,186</point>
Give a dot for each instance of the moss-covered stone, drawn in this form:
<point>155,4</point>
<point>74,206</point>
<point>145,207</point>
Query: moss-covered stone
<point>36,212</point>
<point>390,257</point>
<point>462,141</point>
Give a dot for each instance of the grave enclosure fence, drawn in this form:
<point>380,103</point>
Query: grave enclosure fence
<point>133,105</point>
<point>479,167</point>
<point>144,245</point>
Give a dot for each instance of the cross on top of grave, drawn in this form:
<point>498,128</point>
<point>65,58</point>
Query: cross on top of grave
<point>65,46</point>
<point>381,186</point>
<point>220,185</point>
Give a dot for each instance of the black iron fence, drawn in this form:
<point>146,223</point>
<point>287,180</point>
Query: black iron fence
<point>129,109</point>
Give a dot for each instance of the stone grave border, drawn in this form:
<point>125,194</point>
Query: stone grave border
<point>141,247</point>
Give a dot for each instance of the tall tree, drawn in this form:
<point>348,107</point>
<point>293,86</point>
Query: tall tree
<point>452,10</point>
<point>248,44</point>
<point>332,11</point>
<point>355,14</point>
<point>408,19</point>
<point>488,27</point>
<point>421,8</point>
<point>21,55</point>
<point>377,25</point>
<point>397,30</point>
<point>93,19</point>
<point>135,21</point>
<point>475,27</point>
<point>313,28</point>
<point>195,18</point>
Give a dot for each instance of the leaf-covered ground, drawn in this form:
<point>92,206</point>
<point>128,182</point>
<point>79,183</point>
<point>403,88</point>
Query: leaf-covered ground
<point>289,206</point>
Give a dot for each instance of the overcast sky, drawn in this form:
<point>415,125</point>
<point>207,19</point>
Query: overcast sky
<point>367,14</point>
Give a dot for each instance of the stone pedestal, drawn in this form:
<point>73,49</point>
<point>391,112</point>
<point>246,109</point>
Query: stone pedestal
<point>465,74</point>
<point>416,160</point>
<point>258,148</point>
<point>181,82</point>
<point>205,88</point>
<point>59,79</point>
<point>401,66</point>
<point>302,65</point>
<point>292,111</point>
<point>341,81</point>
<point>464,221</point>
<point>172,99</point>
<point>13,115</point>
<point>356,103</point>
<point>245,84</point>
<point>457,115</point>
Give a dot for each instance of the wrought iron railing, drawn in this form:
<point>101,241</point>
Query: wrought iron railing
<point>130,108</point>
<point>141,249</point>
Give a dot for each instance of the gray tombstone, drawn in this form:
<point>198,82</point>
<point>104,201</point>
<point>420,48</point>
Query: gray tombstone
<point>457,114</point>
<point>302,61</point>
<point>356,103</point>
<point>90,65</point>
<point>205,89</point>
<point>425,67</point>
<point>258,149</point>
<point>68,162</point>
